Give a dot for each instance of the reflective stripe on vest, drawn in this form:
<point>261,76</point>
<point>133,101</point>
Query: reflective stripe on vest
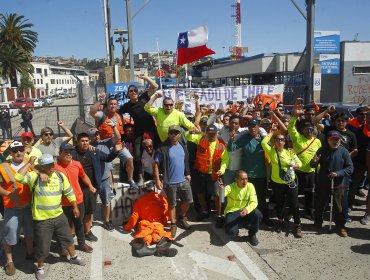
<point>10,175</point>
<point>42,192</point>
<point>42,207</point>
<point>203,157</point>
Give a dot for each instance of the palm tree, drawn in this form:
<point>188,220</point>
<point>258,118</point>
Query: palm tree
<point>15,31</point>
<point>17,42</point>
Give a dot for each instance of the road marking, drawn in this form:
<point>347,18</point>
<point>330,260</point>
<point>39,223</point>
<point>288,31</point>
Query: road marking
<point>97,256</point>
<point>222,266</point>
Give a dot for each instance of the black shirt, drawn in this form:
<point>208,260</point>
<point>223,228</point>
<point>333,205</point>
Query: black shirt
<point>143,121</point>
<point>348,139</point>
<point>87,164</point>
<point>363,142</point>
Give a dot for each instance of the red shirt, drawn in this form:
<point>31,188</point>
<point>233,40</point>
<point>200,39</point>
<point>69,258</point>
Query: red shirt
<point>73,170</point>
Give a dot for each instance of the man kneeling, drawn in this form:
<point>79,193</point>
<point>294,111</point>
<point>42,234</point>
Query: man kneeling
<point>241,207</point>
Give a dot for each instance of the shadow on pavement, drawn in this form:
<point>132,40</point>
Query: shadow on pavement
<point>361,249</point>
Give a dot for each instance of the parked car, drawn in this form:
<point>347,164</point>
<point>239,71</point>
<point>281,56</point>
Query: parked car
<point>62,95</point>
<point>12,111</point>
<point>348,109</point>
<point>19,102</point>
<point>47,100</point>
<point>37,103</point>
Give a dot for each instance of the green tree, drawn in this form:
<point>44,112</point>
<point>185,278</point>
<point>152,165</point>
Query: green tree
<point>26,82</point>
<point>17,43</point>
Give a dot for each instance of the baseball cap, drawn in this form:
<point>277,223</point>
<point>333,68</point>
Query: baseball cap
<point>174,128</point>
<point>45,159</point>
<point>266,121</point>
<point>334,134</point>
<point>16,144</point>
<point>211,128</point>
<point>27,134</point>
<point>65,146</point>
<point>253,122</point>
<point>92,131</point>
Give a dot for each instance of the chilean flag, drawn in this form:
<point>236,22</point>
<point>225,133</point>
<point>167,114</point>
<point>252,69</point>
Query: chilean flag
<point>191,45</point>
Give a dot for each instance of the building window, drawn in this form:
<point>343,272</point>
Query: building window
<point>52,81</point>
<point>41,81</point>
<point>38,81</point>
<point>38,70</point>
<point>359,70</point>
<point>45,72</point>
<point>34,81</point>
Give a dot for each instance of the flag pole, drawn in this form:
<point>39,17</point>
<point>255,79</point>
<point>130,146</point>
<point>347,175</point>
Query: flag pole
<point>159,65</point>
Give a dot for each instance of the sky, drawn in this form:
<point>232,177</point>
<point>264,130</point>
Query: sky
<point>76,27</point>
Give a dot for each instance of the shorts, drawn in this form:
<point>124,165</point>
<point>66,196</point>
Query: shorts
<point>123,155</point>
<point>44,231</point>
<point>181,191</point>
<point>105,192</point>
<point>89,201</point>
<point>15,218</point>
<point>205,184</point>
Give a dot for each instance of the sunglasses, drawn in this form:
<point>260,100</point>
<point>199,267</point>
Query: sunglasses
<point>341,121</point>
<point>174,132</point>
<point>48,134</point>
<point>168,105</point>
<point>133,90</point>
<point>17,149</point>
<point>234,122</point>
<point>280,139</point>
<point>309,129</point>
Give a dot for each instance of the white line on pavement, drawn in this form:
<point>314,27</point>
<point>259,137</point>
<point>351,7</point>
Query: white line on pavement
<point>97,256</point>
<point>222,266</point>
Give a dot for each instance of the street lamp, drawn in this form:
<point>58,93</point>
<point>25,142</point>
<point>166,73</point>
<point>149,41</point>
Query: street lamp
<point>122,41</point>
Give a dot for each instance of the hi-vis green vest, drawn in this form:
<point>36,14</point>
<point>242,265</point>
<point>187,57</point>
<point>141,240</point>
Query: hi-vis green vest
<point>47,197</point>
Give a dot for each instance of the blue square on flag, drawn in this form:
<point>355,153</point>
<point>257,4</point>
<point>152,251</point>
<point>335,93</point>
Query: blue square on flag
<point>183,40</point>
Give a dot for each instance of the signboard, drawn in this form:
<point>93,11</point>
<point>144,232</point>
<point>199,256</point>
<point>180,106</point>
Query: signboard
<point>119,91</point>
<point>330,63</point>
<point>326,41</point>
<point>220,95</point>
<point>316,81</point>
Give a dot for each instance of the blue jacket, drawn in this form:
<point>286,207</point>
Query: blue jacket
<point>98,158</point>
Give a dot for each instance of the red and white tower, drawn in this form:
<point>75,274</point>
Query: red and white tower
<point>237,50</point>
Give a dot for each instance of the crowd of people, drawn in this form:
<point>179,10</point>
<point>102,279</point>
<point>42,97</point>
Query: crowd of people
<point>231,161</point>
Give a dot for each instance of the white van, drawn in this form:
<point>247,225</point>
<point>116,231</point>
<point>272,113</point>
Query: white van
<point>12,110</point>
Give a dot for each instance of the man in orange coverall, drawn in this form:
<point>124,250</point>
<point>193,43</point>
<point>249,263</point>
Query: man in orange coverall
<point>151,210</point>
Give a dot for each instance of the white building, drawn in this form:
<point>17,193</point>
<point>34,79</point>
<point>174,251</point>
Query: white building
<point>57,79</point>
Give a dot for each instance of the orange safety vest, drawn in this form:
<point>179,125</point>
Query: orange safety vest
<point>9,184</point>
<point>203,157</point>
<point>106,131</point>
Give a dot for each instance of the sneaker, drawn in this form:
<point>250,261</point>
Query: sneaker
<point>85,248</point>
<point>132,184</point>
<point>365,219</point>
<point>108,226</point>
<point>253,240</point>
<point>90,236</point>
<point>202,216</point>
<point>220,222</point>
<point>298,232</point>
<point>342,232</point>
<point>40,273</point>
<point>173,230</point>
<point>140,182</point>
<point>361,193</point>
<point>279,226</point>
<point>182,222</point>
<point>10,269</point>
<point>77,260</point>
<point>348,219</point>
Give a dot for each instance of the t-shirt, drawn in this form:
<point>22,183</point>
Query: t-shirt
<point>176,165</point>
<point>348,139</point>
<point>73,170</point>
<point>238,198</point>
<point>88,166</point>
<point>52,148</point>
<point>143,121</point>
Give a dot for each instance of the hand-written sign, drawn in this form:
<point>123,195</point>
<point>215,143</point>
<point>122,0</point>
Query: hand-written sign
<point>123,203</point>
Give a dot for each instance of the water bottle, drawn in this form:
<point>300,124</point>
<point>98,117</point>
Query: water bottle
<point>291,169</point>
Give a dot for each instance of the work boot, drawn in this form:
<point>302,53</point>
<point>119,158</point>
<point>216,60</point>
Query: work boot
<point>166,252</point>
<point>202,216</point>
<point>85,248</point>
<point>91,237</point>
<point>317,225</point>
<point>145,251</point>
<point>279,226</point>
<point>298,231</point>
<point>164,243</point>
<point>342,232</point>
<point>365,219</point>
<point>220,222</point>
<point>182,222</point>
<point>253,240</point>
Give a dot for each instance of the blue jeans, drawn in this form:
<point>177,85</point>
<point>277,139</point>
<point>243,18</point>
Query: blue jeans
<point>233,220</point>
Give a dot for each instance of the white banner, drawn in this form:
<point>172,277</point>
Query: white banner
<point>218,96</point>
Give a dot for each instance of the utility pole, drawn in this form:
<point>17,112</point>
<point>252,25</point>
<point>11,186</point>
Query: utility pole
<point>107,45</point>
<point>130,40</point>
<point>111,46</point>
<point>310,6</point>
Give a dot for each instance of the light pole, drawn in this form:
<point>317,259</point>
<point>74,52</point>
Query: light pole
<point>122,41</point>
<point>310,6</point>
